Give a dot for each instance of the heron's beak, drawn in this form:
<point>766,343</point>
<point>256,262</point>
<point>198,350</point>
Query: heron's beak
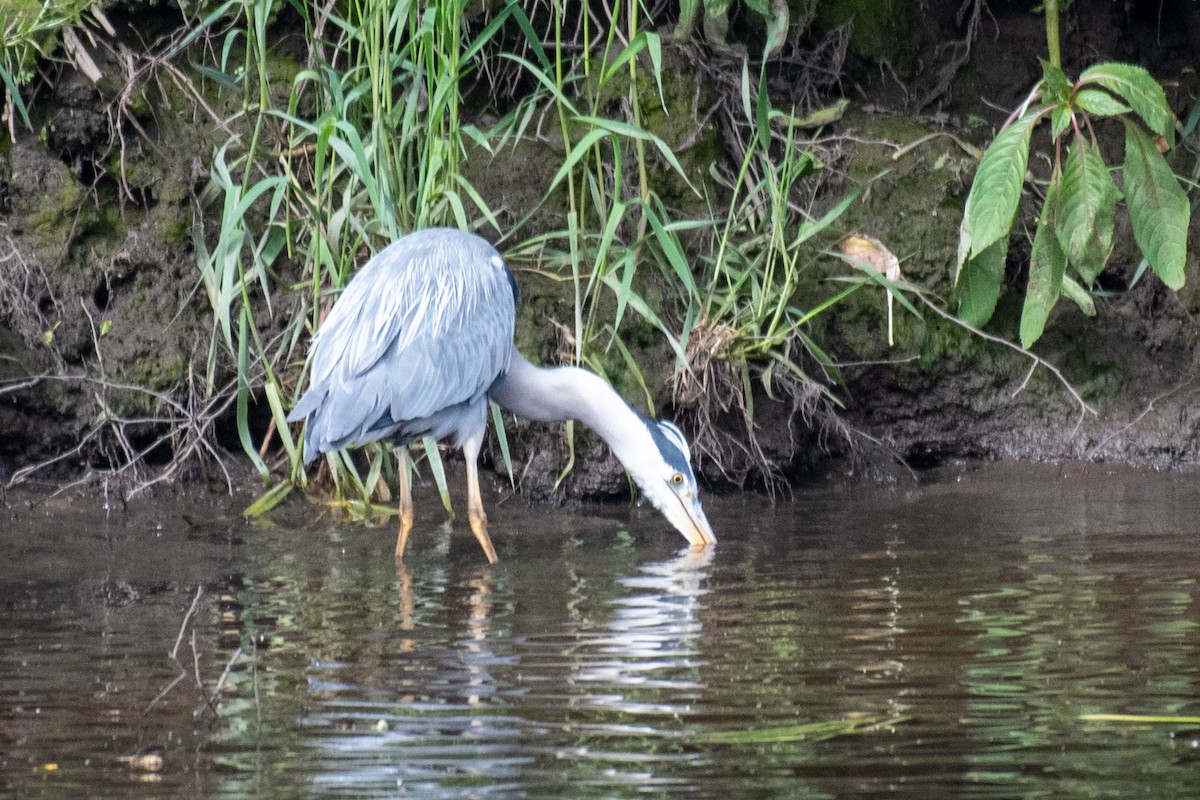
<point>688,518</point>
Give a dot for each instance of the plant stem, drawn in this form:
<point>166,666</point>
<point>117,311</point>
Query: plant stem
<point>636,107</point>
<point>1051,11</point>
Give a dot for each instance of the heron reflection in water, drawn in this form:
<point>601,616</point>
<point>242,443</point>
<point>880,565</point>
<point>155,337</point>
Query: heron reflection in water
<point>420,339</point>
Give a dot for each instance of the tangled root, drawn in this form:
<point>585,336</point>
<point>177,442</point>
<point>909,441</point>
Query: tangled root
<point>750,422</point>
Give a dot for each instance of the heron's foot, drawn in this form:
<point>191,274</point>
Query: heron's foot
<point>479,528</point>
<point>406,524</point>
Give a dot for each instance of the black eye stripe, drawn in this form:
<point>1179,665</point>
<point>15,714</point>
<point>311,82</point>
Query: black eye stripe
<point>669,446</point>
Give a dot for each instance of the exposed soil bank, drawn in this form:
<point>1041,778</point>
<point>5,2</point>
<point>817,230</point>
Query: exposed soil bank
<point>105,331</point>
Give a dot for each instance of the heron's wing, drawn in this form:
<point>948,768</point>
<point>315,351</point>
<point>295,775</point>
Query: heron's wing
<point>425,326</point>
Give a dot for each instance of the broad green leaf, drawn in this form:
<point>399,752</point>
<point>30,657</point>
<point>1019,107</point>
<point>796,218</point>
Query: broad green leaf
<point>992,202</point>
<point>1079,296</point>
<point>1088,199</point>
<point>1140,90</point>
<point>1100,103</point>
<point>1060,120</point>
<point>1158,207</point>
<point>776,15</point>
<point>979,284</point>
<point>1047,264</point>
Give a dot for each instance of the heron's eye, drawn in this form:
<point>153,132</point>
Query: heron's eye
<point>677,479</point>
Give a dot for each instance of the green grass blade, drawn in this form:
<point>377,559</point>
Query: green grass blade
<point>14,96</point>
<point>639,305</point>
<point>627,268</point>
<point>439,472</point>
<point>502,440</point>
<point>809,229</point>
<point>672,250</point>
<point>376,458</point>
<point>809,731</point>
<point>829,302</point>
<point>1148,719</point>
<point>269,499</point>
<point>636,371</point>
<point>530,36</point>
<point>546,81</point>
<point>271,389</point>
<point>219,13</point>
<point>343,469</point>
<point>569,428</point>
<point>635,133</point>
<point>243,396</point>
<point>577,154</point>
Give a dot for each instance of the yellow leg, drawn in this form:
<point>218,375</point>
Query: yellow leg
<point>475,512</point>
<point>406,505</point>
<point>407,605</point>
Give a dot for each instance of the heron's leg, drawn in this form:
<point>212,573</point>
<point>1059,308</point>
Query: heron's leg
<point>475,513</point>
<point>406,505</point>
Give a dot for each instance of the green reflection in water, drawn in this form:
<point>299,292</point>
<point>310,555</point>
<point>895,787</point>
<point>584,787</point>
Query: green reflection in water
<point>983,619</point>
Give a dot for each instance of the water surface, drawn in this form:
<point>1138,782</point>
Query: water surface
<point>939,641</point>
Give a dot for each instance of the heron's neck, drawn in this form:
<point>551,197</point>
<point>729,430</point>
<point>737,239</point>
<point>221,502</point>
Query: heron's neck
<point>555,394</point>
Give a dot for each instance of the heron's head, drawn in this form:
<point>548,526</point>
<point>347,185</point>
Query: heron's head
<point>665,477</point>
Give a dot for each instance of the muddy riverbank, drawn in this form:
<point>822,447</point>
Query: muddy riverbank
<point>107,354</point>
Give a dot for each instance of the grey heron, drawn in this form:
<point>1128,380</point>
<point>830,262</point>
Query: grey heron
<point>419,340</point>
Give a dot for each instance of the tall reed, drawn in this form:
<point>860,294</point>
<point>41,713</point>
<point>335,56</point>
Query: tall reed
<point>368,146</point>
<point>370,143</point>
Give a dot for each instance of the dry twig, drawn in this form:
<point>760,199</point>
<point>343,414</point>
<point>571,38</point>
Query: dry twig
<point>1038,361</point>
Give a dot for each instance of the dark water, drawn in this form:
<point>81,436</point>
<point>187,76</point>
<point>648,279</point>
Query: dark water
<point>943,641</point>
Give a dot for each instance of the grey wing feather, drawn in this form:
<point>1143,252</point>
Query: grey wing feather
<point>425,327</point>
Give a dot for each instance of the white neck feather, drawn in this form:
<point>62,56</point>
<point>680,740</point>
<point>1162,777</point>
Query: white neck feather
<point>556,394</point>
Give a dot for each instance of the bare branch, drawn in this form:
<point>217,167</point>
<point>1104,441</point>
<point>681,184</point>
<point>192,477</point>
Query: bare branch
<point>1038,361</point>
